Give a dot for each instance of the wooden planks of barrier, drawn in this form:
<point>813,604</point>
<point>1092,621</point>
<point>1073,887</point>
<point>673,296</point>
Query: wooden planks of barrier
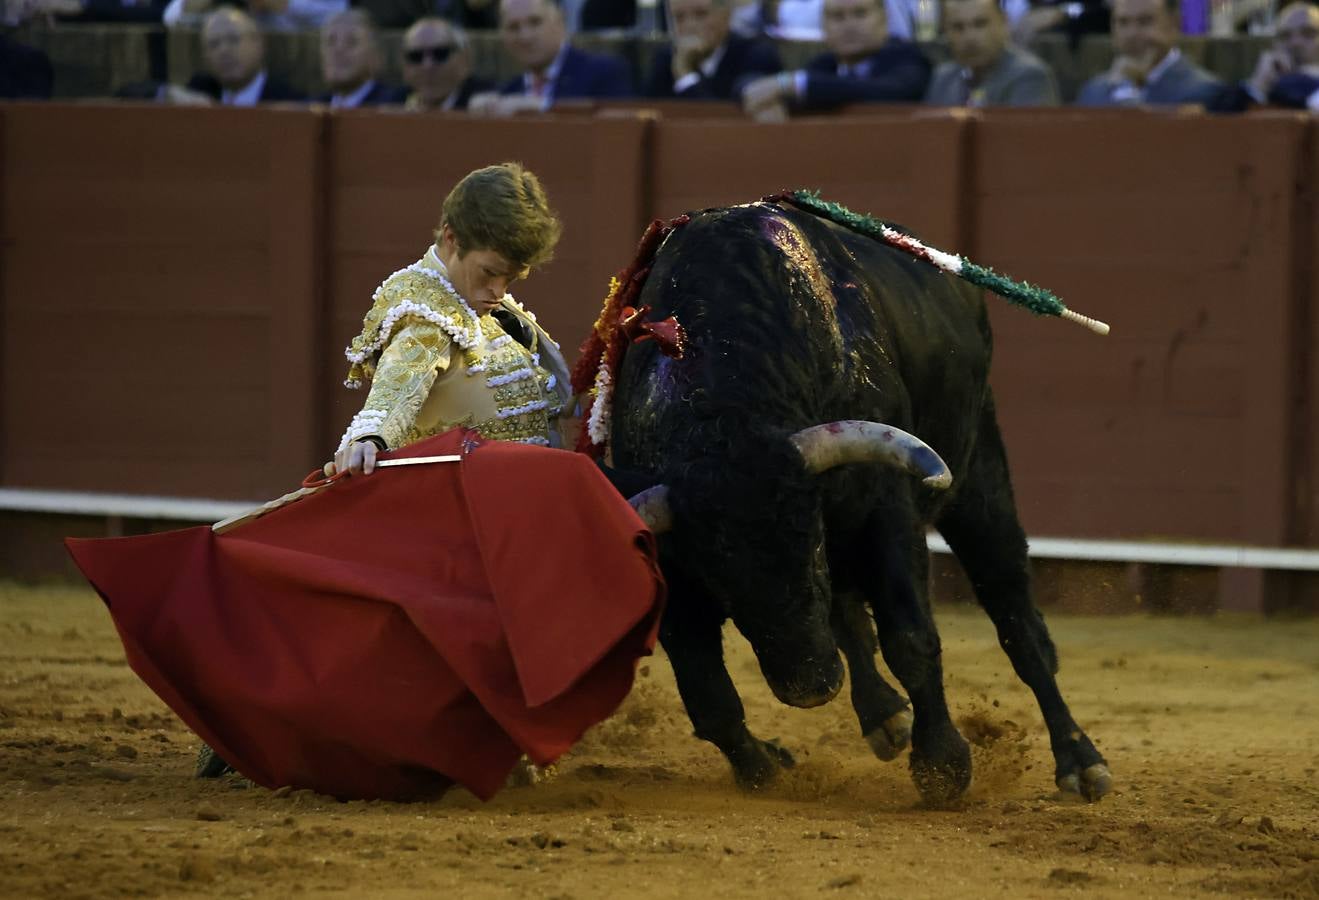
<point>1179,233</point>
<point>159,298</point>
<point>900,168</point>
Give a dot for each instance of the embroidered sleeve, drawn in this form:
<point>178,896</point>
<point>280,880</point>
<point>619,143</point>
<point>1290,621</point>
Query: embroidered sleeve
<point>408,366</point>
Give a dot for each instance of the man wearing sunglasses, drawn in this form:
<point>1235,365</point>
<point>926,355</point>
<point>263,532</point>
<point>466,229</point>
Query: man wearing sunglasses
<point>437,67</point>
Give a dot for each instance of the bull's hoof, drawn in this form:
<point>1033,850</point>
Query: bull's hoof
<point>1092,783</point>
<point>1081,769</point>
<point>941,769</point>
<point>891,738</point>
<point>758,762</point>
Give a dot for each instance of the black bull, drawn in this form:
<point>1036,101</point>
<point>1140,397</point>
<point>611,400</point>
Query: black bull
<point>793,321</point>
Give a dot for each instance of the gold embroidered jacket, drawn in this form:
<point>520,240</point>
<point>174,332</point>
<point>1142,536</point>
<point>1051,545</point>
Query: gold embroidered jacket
<point>434,364</point>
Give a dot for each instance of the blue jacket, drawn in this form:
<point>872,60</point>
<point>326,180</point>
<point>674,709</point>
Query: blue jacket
<point>380,95</point>
<point>744,59</point>
<point>583,76</point>
<point>896,73</point>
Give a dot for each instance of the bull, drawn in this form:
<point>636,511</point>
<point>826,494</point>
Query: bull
<point>778,456</point>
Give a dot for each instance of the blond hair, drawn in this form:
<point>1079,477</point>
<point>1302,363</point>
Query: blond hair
<point>502,208</point>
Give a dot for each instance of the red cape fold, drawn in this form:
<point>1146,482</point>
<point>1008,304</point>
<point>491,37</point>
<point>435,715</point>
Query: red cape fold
<point>392,634</point>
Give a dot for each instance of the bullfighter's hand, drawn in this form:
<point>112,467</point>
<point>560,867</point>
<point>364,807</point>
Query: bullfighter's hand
<point>570,429</point>
<point>359,458</point>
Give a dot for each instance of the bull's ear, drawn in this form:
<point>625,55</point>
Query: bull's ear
<point>628,482</point>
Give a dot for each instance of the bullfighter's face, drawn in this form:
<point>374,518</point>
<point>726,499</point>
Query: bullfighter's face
<point>481,277</point>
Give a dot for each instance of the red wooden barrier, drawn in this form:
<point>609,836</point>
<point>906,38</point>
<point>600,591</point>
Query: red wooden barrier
<point>1179,232</point>
<point>177,285</point>
<point>903,169</point>
<point>158,295</point>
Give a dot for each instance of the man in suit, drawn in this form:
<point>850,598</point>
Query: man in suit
<point>235,55</point>
<point>533,33</point>
<point>437,67</point>
<point>1287,74</point>
<point>705,60</point>
<point>25,72</point>
<point>350,61</point>
<point>865,64</point>
<point>1148,69</point>
<point>986,69</point>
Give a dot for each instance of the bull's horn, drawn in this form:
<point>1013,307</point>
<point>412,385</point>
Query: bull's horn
<point>853,441</point>
<point>652,505</point>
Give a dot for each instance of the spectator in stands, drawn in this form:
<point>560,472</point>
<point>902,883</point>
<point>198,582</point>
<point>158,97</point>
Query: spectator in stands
<point>986,69</point>
<point>25,72</point>
<point>350,62</point>
<point>271,15</point>
<point>534,34</point>
<point>1148,68</point>
<point>438,68</point>
<point>235,55</point>
<point>706,59</point>
<point>1287,74</point>
<point>865,64</point>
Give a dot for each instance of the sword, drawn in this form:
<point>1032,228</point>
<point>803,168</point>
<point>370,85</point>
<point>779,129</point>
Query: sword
<point>315,482</point>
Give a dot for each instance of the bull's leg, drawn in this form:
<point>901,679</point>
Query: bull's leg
<point>691,635</point>
<point>882,712</point>
<point>940,758</point>
<point>981,527</point>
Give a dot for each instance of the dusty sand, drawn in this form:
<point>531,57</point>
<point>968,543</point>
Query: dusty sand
<point>1211,727</point>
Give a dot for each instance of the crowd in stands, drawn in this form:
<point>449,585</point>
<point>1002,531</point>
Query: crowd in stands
<point>714,50</point>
